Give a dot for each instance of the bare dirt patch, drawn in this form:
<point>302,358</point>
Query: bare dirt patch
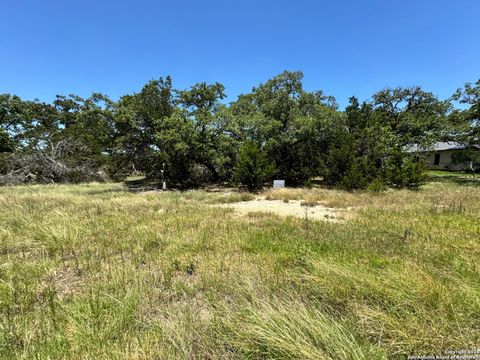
<point>66,282</point>
<point>296,208</point>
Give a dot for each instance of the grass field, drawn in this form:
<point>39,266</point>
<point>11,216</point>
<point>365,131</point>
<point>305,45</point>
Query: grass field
<point>98,272</point>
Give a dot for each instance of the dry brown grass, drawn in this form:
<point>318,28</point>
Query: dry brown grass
<point>94,271</point>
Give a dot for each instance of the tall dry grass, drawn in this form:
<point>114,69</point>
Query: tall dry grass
<point>96,272</point>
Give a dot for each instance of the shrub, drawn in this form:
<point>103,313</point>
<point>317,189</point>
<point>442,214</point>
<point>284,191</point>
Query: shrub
<point>253,168</point>
<point>404,170</point>
<point>357,177</point>
<point>308,184</point>
<point>376,186</point>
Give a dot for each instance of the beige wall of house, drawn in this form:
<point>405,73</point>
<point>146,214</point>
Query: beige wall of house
<point>445,161</point>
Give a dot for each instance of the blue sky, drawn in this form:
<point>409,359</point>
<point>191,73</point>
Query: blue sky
<point>344,47</point>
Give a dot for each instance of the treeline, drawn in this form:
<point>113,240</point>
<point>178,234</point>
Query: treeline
<point>189,138</point>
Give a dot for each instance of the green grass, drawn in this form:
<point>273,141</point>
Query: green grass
<point>447,173</point>
<point>97,272</point>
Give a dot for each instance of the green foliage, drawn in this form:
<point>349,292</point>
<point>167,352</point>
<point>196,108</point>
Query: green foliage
<point>6,143</point>
<point>357,176</point>
<point>376,186</point>
<point>190,138</point>
<point>290,122</point>
<point>67,141</point>
<point>466,126</point>
<point>412,115</point>
<point>253,168</point>
<point>469,156</point>
<point>368,149</point>
<point>404,171</point>
<point>138,118</point>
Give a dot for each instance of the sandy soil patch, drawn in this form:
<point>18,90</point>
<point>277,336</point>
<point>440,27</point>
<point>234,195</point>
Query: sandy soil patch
<point>295,208</point>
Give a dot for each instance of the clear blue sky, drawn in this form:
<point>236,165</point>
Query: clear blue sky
<point>345,47</point>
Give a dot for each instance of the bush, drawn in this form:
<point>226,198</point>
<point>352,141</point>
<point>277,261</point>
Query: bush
<point>199,175</point>
<point>253,168</point>
<point>308,184</point>
<point>414,174</point>
<point>404,170</point>
<point>376,186</point>
<point>357,177</point>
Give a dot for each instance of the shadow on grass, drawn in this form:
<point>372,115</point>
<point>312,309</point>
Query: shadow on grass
<point>466,180</point>
<point>142,185</point>
<point>105,191</point>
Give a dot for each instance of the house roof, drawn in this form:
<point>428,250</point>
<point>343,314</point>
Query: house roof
<point>449,145</point>
<point>439,146</point>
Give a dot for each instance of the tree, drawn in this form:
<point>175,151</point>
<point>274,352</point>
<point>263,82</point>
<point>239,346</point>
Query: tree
<point>253,167</point>
<point>190,137</point>
<point>369,148</point>
<point>212,147</point>
<point>12,122</point>
<point>138,119</point>
<point>289,122</point>
<point>66,141</point>
<point>176,141</point>
<point>466,125</point>
<point>7,145</point>
<point>413,115</point>
<point>171,135</point>
<point>469,156</point>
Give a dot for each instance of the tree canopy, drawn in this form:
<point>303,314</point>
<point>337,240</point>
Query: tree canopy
<point>192,137</point>
<point>465,123</point>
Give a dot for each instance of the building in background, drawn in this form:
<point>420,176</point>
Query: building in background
<point>439,156</point>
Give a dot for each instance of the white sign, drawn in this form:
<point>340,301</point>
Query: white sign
<point>278,184</point>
